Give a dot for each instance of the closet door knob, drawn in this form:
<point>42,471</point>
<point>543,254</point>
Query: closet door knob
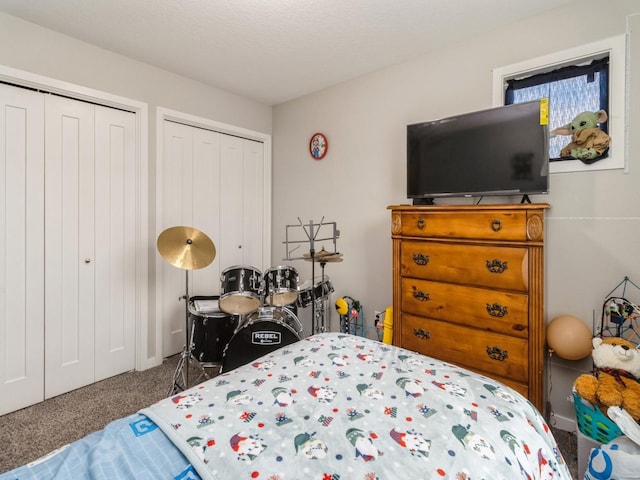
<point>87,260</point>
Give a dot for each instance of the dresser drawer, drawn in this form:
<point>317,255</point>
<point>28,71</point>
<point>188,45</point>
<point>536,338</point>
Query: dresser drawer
<point>499,225</point>
<point>480,265</point>
<point>485,309</point>
<point>491,353</point>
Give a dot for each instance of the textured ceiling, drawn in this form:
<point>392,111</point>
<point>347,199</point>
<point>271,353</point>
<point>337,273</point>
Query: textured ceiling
<point>273,50</point>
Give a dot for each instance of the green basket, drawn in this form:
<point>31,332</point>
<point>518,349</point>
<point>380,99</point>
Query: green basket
<point>593,423</point>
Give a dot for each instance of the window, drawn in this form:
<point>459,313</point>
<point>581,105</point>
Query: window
<point>588,78</point>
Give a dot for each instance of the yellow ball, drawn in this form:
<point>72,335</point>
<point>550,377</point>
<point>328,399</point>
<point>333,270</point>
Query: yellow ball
<point>569,337</point>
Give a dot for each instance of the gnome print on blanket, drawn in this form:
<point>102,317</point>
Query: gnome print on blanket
<point>616,376</point>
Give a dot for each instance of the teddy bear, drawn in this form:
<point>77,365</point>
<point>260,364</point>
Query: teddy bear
<point>588,141</point>
<point>616,376</point>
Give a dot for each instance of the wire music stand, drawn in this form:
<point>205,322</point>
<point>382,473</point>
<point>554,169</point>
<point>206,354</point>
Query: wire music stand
<point>310,233</point>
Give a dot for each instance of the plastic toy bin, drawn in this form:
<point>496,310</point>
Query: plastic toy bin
<point>593,423</point>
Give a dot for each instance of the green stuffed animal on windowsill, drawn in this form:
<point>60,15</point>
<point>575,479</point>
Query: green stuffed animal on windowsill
<point>588,142</point>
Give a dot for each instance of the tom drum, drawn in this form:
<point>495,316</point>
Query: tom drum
<point>320,290</point>
<point>240,289</point>
<point>212,330</point>
<point>281,286</point>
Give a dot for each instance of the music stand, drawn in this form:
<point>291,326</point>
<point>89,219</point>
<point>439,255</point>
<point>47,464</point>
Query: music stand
<point>311,232</point>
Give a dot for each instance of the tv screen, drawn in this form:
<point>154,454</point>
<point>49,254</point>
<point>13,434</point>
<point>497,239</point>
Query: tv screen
<point>499,151</point>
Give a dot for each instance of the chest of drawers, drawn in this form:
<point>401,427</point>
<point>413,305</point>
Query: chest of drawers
<point>468,288</point>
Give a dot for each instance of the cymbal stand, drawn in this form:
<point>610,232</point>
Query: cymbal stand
<point>311,231</point>
<point>322,304</point>
<point>186,357</point>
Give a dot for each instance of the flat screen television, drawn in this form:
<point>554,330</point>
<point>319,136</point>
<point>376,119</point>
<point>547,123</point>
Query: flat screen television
<point>499,151</point>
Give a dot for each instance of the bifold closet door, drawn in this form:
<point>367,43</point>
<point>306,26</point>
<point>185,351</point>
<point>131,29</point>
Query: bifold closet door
<point>21,248</point>
<point>190,196</point>
<point>89,227</point>
<point>115,239</point>
<point>242,202</point>
<point>213,182</point>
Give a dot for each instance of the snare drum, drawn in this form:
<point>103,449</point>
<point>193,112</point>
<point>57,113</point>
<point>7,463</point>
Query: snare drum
<point>281,286</point>
<point>240,289</point>
<point>321,290</point>
<point>212,330</point>
<point>264,331</point>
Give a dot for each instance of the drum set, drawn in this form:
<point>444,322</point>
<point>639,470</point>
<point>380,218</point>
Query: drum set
<point>254,314</point>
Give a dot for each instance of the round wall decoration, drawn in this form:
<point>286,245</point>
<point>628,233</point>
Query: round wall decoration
<point>318,146</point>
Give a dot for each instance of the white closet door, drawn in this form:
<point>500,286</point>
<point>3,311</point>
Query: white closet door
<point>215,183</point>
<point>190,197</point>
<point>232,203</point>
<point>254,209</point>
<point>69,247</point>
<point>115,230</point>
<point>242,202</point>
<point>206,205</point>
<point>21,248</point>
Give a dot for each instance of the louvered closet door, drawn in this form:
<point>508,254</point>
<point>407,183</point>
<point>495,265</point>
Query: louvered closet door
<point>21,248</point>
<point>89,225</point>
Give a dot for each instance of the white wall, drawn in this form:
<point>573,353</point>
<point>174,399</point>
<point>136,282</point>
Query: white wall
<point>593,225</point>
<point>30,48</point>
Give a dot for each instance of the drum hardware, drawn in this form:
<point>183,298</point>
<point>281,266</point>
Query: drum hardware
<point>312,231</point>
<point>189,249</point>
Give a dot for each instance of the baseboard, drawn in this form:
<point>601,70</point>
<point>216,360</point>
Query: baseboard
<point>564,423</point>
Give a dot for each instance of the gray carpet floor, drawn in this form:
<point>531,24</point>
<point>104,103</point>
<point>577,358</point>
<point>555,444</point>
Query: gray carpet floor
<point>30,433</point>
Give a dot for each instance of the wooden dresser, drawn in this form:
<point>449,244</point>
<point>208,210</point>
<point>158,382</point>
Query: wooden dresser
<point>468,288</point>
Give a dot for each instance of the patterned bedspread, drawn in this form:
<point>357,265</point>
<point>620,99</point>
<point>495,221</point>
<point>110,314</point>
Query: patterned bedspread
<point>340,407</point>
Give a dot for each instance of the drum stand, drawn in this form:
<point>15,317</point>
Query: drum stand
<point>186,357</point>
<point>319,305</point>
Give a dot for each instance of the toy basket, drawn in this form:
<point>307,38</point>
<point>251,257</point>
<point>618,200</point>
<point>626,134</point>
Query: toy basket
<point>593,423</point>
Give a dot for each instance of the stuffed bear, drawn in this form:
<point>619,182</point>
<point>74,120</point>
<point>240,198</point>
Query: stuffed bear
<point>616,376</point>
<point>588,142</point>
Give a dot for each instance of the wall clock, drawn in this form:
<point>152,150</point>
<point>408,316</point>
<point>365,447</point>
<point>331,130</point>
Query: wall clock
<point>318,146</point>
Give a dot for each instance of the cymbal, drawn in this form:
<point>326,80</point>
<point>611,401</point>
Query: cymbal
<point>324,256</point>
<point>186,247</point>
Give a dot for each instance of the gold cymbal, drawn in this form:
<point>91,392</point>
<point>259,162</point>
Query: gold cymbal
<point>324,256</point>
<point>186,247</point>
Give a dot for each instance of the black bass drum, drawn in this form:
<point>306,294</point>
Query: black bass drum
<point>264,331</point>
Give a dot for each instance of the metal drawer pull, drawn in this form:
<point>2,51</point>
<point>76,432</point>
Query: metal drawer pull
<point>496,266</point>
<point>496,310</point>
<point>420,333</point>
<point>420,223</point>
<point>496,225</point>
<point>495,353</point>
<point>420,295</point>
<point>420,258</point>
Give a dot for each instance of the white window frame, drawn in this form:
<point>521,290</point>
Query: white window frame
<point>616,47</point>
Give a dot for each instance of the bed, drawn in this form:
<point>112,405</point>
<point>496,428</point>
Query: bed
<point>332,406</point>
